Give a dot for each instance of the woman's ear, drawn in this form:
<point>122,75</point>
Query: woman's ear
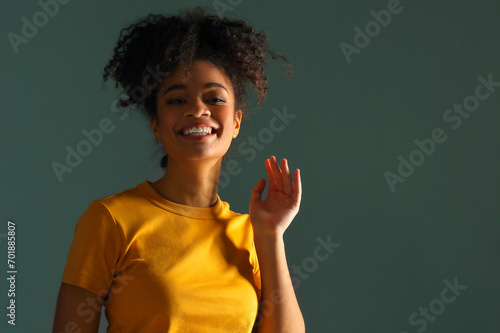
<point>154,126</point>
<point>237,123</point>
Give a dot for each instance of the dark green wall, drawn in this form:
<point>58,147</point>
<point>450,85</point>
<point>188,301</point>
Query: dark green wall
<point>356,118</point>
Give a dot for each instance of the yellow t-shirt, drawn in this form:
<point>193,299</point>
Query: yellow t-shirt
<point>166,267</point>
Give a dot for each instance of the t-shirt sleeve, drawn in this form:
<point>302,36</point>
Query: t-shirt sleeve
<point>96,248</point>
<point>256,271</point>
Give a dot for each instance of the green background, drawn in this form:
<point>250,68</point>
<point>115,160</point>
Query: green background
<point>352,122</point>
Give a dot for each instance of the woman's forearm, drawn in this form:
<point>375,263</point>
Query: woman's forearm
<point>280,310</point>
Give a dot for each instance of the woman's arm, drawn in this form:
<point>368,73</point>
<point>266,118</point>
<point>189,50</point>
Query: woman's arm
<point>77,310</point>
<point>279,309</point>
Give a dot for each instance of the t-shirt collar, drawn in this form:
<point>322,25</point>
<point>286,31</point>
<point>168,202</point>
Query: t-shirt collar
<point>203,213</point>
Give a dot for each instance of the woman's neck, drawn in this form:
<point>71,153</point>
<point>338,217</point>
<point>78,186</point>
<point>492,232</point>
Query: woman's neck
<point>192,184</point>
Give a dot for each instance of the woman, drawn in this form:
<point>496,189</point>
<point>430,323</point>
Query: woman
<point>170,256</point>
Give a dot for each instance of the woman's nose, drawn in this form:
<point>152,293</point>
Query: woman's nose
<point>198,109</point>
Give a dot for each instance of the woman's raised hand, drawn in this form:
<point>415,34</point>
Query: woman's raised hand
<point>272,216</point>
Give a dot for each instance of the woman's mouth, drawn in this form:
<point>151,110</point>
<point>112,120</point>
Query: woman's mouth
<point>198,133</point>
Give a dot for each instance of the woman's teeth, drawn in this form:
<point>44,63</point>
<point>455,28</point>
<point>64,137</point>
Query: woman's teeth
<point>197,131</point>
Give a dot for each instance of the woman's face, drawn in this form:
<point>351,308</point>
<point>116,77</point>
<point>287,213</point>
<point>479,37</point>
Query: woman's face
<point>207,97</point>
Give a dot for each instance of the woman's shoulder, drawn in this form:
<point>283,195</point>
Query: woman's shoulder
<point>122,198</point>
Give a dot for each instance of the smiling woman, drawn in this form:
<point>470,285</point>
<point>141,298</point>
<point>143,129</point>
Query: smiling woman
<point>170,255</point>
<point>202,103</point>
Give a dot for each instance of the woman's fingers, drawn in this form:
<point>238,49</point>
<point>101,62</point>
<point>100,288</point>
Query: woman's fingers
<point>277,174</point>
<point>279,179</point>
<point>297,193</point>
<point>287,177</point>
<point>270,176</point>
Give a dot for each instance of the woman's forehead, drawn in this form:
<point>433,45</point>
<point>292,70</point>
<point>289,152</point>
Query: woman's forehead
<point>204,73</point>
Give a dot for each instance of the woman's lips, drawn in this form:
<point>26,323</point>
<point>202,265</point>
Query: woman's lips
<point>197,137</point>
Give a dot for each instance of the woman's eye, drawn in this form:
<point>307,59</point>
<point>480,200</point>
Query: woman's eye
<point>174,101</point>
<point>216,100</point>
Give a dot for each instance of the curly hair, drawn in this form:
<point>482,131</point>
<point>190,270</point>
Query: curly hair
<point>156,45</point>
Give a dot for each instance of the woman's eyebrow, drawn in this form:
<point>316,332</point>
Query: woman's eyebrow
<point>183,86</point>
